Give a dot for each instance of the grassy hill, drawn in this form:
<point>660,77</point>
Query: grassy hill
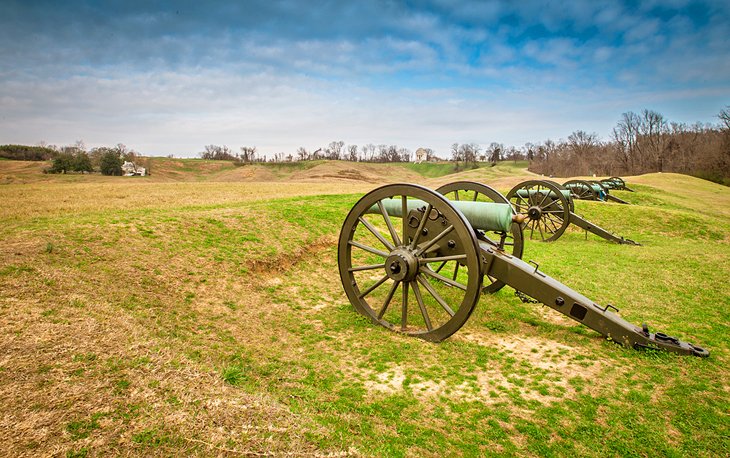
<point>200,312</point>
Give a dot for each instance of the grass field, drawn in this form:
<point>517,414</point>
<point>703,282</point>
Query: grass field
<point>200,312</point>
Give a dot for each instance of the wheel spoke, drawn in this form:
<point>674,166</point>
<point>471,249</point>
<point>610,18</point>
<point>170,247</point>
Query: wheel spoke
<point>389,223</point>
<point>435,295</point>
<point>557,223</point>
<point>367,248</point>
<point>422,306</point>
<point>456,271</point>
<point>532,228</point>
<point>456,195</point>
<point>376,233</point>
<point>434,240</point>
<point>374,287</point>
<point>388,299</point>
<point>370,267</point>
<point>441,278</point>
<point>550,228</point>
<point>441,266</point>
<point>404,308</point>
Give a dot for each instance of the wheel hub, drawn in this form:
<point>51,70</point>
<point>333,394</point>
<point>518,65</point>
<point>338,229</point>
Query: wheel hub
<point>534,213</point>
<point>401,265</point>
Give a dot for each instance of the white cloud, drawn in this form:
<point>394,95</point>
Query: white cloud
<point>279,77</point>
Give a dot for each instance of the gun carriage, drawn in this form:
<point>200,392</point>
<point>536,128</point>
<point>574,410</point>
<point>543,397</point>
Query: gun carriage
<point>550,209</point>
<point>591,190</point>
<point>415,262</point>
<point>616,183</point>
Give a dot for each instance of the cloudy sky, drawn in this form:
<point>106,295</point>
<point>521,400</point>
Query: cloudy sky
<point>171,77</point>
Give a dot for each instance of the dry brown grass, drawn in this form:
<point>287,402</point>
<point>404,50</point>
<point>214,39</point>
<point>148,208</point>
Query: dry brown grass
<point>41,200</point>
<point>79,351</point>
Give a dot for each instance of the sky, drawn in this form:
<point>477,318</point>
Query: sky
<point>170,77</point>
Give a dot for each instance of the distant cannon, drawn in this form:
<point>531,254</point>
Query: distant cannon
<point>550,209</point>
<point>616,183</point>
<point>591,190</point>
<point>436,252</point>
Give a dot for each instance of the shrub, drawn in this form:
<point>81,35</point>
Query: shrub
<point>111,163</point>
<point>62,163</point>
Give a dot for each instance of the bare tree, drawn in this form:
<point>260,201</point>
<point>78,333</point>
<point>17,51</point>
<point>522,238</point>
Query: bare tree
<point>217,153</point>
<point>404,155</point>
<point>494,152</point>
<point>334,150</point>
<point>382,153</point>
<point>653,138</point>
<point>248,153</point>
<point>352,153</point>
<point>581,152</point>
<point>302,154</point>
<point>469,153</point>
<point>456,154</point>
<point>529,151</point>
<point>724,117</point>
<point>626,137</point>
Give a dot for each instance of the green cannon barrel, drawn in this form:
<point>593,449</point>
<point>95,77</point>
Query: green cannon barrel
<point>595,186</point>
<point>525,192</point>
<point>486,216</point>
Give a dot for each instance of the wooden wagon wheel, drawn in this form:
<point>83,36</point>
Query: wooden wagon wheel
<point>511,241</point>
<point>378,254</point>
<point>547,208</point>
<point>581,189</point>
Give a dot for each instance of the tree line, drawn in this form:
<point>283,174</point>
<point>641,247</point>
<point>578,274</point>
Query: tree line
<point>640,143</point>
<point>75,158</point>
<point>335,151</point>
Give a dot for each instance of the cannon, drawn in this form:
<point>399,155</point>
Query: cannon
<point>550,209</point>
<point>616,183</point>
<point>591,190</point>
<point>414,262</point>
<point>510,240</point>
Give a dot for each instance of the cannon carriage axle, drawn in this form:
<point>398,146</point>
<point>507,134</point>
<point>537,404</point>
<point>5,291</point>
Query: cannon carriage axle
<point>438,254</point>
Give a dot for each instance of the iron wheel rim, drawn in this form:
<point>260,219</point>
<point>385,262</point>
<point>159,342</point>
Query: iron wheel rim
<point>441,316</point>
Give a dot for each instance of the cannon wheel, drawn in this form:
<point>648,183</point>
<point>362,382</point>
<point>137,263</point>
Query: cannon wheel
<point>377,257</point>
<point>604,187</point>
<point>548,216</point>
<point>581,189</point>
<point>619,181</point>
<point>511,241</point>
<point>609,183</point>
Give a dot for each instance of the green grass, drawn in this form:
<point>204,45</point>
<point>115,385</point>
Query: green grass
<point>430,169</point>
<point>222,328</point>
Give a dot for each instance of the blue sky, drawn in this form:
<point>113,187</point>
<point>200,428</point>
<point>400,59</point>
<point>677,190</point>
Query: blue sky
<point>172,77</point>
